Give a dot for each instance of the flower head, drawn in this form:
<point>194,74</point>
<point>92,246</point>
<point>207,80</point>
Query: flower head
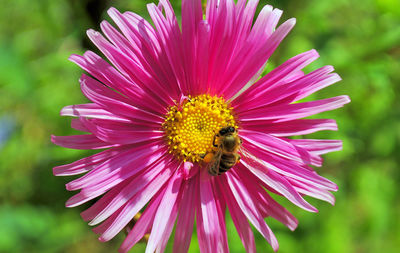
<point>171,103</point>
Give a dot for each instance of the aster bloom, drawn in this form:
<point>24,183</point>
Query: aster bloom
<point>160,98</point>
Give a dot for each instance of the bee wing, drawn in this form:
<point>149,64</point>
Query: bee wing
<point>251,160</point>
<point>213,166</point>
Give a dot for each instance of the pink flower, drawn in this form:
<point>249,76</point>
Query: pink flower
<point>158,107</point>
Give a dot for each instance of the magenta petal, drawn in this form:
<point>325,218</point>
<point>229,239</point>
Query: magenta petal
<point>87,141</point>
<point>298,88</point>
<point>292,128</point>
<point>238,218</point>
<point>265,203</point>
<point>248,207</point>
<point>312,191</point>
<point>131,69</point>
<point>292,169</point>
<point>318,147</point>
<point>104,72</point>
<point>247,69</point>
<point>143,224</point>
<point>209,224</point>
<point>185,221</point>
<point>280,184</point>
<point>112,101</point>
<point>105,182</point>
<point>279,146</point>
<point>282,113</point>
<point>137,184</point>
<point>135,205</point>
<point>90,213</point>
<point>84,164</point>
<point>76,124</point>
<point>193,33</point>
<point>91,111</point>
<point>170,38</point>
<point>115,165</point>
<point>279,76</point>
<point>165,215</point>
<point>122,135</point>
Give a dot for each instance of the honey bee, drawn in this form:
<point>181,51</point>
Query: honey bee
<point>227,143</point>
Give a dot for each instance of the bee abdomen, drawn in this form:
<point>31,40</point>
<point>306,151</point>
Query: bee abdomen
<point>227,162</point>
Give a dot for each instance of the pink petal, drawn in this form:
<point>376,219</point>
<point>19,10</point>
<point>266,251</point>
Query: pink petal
<point>104,72</point>
<point>117,169</point>
<point>239,219</point>
<point>165,215</point>
<point>135,185</point>
<point>85,164</point>
<point>113,101</point>
<point>143,224</point>
<point>278,146</point>
<point>277,77</point>
<point>106,181</point>
<point>201,84</point>
<point>112,166</point>
<point>164,66</point>
<point>291,128</point>
<point>170,37</point>
<point>184,224</point>
<point>135,204</point>
<point>90,213</point>
<point>318,147</point>
<point>91,111</point>
<point>316,86</point>
<point>278,183</point>
<point>265,203</point>
<point>77,125</point>
<point>312,191</point>
<point>209,224</point>
<point>297,89</point>
<point>87,141</point>
<point>108,75</point>
<point>245,69</point>
<point>121,135</point>
<point>132,69</point>
<point>138,31</point>
<point>291,169</point>
<point>248,207</point>
<point>191,17</point>
<point>132,50</point>
<point>155,61</point>
<point>282,113</point>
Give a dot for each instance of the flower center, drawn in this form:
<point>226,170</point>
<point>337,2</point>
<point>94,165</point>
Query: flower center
<point>191,126</point>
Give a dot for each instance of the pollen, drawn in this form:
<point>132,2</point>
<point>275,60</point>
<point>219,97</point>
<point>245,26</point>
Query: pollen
<point>190,126</point>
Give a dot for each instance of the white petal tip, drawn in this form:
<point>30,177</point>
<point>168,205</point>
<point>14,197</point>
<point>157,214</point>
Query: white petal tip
<point>346,99</point>
<point>291,21</point>
<point>112,11</point>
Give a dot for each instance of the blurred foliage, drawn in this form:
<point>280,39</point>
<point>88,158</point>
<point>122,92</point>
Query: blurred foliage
<point>360,38</point>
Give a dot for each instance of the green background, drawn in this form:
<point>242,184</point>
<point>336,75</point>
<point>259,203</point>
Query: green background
<point>360,38</point>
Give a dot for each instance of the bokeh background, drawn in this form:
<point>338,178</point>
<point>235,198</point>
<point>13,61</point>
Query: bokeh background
<point>360,38</point>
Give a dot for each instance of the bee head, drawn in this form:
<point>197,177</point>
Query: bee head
<point>226,130</point>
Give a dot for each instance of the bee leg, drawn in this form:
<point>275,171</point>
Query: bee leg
<point>202,155</point>
<point>214,142</point>
<point>237,157</point>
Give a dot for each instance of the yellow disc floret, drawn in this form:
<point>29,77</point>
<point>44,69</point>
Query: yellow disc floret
<point>190,127</point>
